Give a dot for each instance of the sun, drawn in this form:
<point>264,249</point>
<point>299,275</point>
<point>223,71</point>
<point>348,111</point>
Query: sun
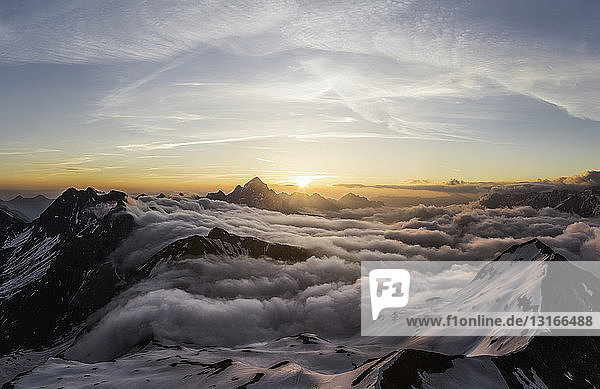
<point>302,181</point>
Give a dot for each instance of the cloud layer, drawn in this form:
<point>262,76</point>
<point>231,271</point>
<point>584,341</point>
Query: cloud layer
<point>236,301</point>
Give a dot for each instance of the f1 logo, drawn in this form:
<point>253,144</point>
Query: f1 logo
<point>388,289</point>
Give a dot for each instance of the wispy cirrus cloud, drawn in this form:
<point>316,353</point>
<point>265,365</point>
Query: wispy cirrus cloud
<point>63,32</point>
<point>166,146</point>
<point>516,48</point>
<point>24,152</point>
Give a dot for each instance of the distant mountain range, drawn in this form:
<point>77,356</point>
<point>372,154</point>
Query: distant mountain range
<point>26,208</point>
<point>585,203</point>
<point>257,194</point>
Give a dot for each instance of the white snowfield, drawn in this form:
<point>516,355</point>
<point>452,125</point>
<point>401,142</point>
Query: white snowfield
<point>24,267</point>
<point>285,363</point>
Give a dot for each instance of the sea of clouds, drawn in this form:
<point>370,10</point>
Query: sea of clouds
<point>235,301</point>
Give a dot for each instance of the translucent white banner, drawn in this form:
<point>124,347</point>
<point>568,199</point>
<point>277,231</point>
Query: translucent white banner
<point>498,298</point>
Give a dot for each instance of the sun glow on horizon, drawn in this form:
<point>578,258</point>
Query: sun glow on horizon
<point>302,181</point>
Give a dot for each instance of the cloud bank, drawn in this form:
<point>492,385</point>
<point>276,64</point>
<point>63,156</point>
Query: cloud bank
<point>216,300</point>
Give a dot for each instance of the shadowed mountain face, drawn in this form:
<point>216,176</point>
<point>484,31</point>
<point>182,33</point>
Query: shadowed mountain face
<point>220,242</point>
<point>569,362</point>
<point>257,194</point>
<point>30,208</point>
<point>10,225</point>
<point>254,193</point>
<point>585,203</point>
<point>54,272</point>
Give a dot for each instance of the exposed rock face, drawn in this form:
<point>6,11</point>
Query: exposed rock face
<point>257,194</point>
<point>220,242</point>
<point>10,225</point>
<point>302,201</point>
<point>585,203</point>
<point>55,273</point>
<point>569,362</point>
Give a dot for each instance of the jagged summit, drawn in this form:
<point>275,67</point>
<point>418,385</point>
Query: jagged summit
<point>219,233</point>
<point>65,280</point>
<point>255,193</point>
<point>256,183</point>
<point>21,197</point>
<point>531,250</point>
<point>77,207</point>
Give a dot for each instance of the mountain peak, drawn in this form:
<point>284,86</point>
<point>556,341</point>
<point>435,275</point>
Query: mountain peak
<point>531,250</point>
<point>255,193</point>
<point>255,182</point>
<point>351,200</point>
<point>21,198</point>
<point>581,201</point>
<point>75,206</point>
<point>27,208</point>
<point>219,233</point>
<point>350,195</point>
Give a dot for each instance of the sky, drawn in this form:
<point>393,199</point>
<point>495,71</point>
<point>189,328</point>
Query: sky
<point>200,95</point>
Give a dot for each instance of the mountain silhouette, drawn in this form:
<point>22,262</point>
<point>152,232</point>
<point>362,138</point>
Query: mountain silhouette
<point>27,208</point>
<point>585,203</point>
<point>255,193</point>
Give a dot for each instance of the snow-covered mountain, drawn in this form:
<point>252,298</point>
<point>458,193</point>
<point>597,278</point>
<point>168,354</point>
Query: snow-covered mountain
<point>257,194</point>
<point>582,202</point>
<point>510,361</point>
<point>65,302</point>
